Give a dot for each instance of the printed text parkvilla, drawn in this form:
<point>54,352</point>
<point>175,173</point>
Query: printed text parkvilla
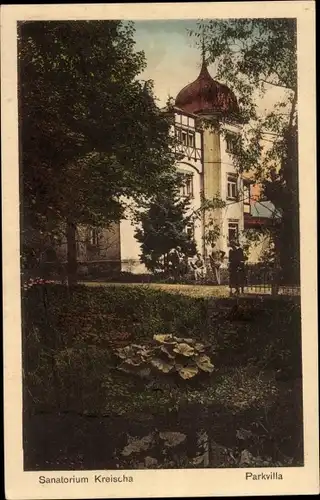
<point>97,478</point>
<point>264,476</point>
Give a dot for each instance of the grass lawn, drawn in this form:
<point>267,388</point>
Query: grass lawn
<point>189,290</point>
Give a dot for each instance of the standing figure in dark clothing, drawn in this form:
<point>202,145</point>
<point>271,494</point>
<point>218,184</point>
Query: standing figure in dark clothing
<point>233,269</point>
<point>240,257</point>
<point>174,264</point>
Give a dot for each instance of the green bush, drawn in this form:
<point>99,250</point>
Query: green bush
<point>264,332</point>
<point>100,315</point>
<point>70,378</point>
<point>168,355</point>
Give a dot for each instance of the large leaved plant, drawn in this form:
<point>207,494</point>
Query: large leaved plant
<point>167,354</point>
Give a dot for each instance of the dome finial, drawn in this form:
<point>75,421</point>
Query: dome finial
<point>203,50</point>
<point>204,69</point>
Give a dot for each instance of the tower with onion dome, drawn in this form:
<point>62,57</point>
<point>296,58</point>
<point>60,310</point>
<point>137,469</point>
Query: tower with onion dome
<point>215,109</point>
<point>205,119</point>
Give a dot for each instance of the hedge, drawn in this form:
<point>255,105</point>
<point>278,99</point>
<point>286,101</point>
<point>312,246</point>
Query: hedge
<point>99,314</point>
<point>238,329</point>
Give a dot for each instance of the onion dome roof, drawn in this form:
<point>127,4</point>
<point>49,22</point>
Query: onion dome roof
<point>206,96</point>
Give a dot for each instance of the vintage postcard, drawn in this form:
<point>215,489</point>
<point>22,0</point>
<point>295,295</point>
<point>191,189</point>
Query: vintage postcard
<point>159,250</point>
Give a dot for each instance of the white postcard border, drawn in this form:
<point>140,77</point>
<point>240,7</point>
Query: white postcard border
<point>158,483</point>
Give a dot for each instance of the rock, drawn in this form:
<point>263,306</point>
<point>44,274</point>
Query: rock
<point>137,445</point>
<point>150,462</point>
<point>246,458</point>
<point>199,460</point>
<point>202,437</point>
<point>244,434</point>
<point>172,439</point>
<point>219,455</point>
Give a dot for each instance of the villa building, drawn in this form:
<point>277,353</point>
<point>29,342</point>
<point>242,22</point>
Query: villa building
<point>204,158</point>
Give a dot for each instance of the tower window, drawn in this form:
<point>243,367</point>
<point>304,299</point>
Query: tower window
<point>232,190</point>
<point>186,137</point>
<point>231,142</point>
<point>191,139</point>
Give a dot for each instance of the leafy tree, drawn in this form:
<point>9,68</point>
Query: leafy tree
<point>163,228</point>
<point>91,134</point>
<point>254,56</point>
<point>165,223</point>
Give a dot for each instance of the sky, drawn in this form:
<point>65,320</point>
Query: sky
<point>173,60</point>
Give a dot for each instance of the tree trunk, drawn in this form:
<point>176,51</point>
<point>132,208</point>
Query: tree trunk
<point>72,253</point>
<point>291,243</point>
<point>287,199</point>
<point>278,269</point>
<point>290,223</point>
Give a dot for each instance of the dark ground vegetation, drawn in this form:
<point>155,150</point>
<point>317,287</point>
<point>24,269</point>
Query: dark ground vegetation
<point>81,412</point>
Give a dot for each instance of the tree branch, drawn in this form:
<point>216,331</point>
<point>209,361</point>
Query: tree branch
<point>276,84</point>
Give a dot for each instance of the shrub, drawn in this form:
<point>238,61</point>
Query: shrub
<point>100,315</point>
<point>266,332</point>
<point>169,355</point>
<point>68,378</point>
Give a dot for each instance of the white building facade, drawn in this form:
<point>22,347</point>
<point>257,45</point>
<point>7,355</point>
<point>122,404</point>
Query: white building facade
<point>204,158</point>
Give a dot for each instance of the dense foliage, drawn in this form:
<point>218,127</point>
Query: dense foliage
<point>254,57</point>
<point>91,134</point>
<point>163,228</point>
